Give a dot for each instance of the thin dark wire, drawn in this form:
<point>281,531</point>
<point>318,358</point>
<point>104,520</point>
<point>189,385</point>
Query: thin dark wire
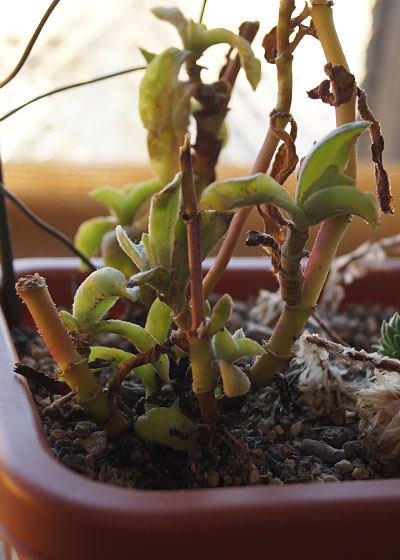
<point>71,86</point>
<point>42,224</point>
<point>29,46</point>
<point>10,298</point>
<point>202,11</point>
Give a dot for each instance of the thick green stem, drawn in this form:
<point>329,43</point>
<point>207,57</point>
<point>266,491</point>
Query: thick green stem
<point>290,274</point>
<point>293,320</point>
<point>74,367</point>
<point>266,153</point>
<point>198,338</point>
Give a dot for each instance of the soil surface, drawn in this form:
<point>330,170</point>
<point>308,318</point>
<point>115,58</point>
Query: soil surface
<point>301,428</point>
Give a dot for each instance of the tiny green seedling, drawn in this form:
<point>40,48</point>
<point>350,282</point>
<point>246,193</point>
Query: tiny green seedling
<point>389,343</point>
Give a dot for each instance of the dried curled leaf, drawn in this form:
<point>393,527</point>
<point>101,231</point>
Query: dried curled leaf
<point>382,182</point>
<point>270,42</point>
<point>340,80</point>
<point>269,46</point>
<point>286,158</point>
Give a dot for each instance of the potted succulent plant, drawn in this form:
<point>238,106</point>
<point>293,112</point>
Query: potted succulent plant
<point>47,511</point>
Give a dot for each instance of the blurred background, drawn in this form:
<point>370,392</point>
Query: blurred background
<point>100,123</point>
<point>81,139</point>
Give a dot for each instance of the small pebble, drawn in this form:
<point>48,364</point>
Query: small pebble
<point>272,436</point>
<point>276,481</point>
<point>82,429</point>
<point>329,478</point>
<point>264,426</point>
<point>316,471</point>
<point>360,473</point>
<point>95,443</point>
<point>57,434</point>
<point>344,466</point>
<point>290,462</point>
<point>227,480</point>
<point>38,352</point>
<point>254,477</point>
<point>28,361</point>
<point>323,450</point>
<point>279,430</point>
<point>358,462</point>
<point>297,428</point>
<point>213,478</point>
<point>353,449</point>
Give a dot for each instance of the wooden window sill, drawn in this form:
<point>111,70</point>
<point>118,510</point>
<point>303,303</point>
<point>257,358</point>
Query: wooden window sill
<point>58,193</point>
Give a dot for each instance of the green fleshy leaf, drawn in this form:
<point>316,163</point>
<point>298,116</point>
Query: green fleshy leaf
<point>135,251</point>
<point>163,151</point>
<point>341,200</point>
<point>112,355</point>
<point>175,17</point>
<point>110,197</point>
<point>164,147</point>
<point>115,257</point>
<point>98,293</point>
<point>164,213</point>
<point>155,426</point>
<point>213,227</point>
<point>239,334</point>
<point>91,232</point>
<point>141,339</point>
<point>153,276</point>
<point>147,55</point>
<point>225,346</point>
<point>69,321</point>
<point>157,90</point>
<point>249,62</point>
<point>250,191</point>
<point>146,373</point>
<point>135,198</point>
<point>159,320</point>
<point>396,340</point>
<point>145,241</point>
<point>220,314</point>
<point>332,152</point>
<point>248,347</point>
<point>235,381</point>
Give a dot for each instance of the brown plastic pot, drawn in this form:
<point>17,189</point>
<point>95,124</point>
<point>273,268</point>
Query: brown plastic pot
<point>48,512</point>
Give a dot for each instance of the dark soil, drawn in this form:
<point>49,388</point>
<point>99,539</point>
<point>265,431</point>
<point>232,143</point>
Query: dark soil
<point>282,434</point>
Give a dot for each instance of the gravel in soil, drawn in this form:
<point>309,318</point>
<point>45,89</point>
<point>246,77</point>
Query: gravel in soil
<point>286,433</point>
